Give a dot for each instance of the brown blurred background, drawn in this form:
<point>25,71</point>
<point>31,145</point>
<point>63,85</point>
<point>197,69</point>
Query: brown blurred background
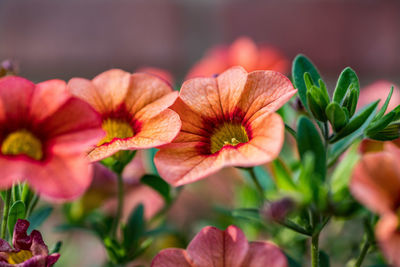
<point>62,39</point>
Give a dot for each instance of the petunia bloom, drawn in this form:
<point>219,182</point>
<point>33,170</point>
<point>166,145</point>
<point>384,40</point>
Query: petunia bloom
<point>229,248</point>
<point>242,52</point>
<point>134,110</point>
<point>44,137</point>
<point>162,73</point>
<point>28,251</point>
<point>226,121</point>
<point>376,184</point>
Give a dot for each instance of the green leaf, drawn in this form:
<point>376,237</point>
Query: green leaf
<point>347,78</point>
<point>17,211</point>
<point>342,173</point>
<point>391,132</point>
<point>309,140</point>
<point>385,105</point>
<point>301,65</point>
<point>336,116</point>
<point>158,184</point>
<point>283,178</point>
<point>324,259</point>
<point>305,183</point>
<point>134,229</point>
<point>350,101</point>
<point>356,122</point>
<point>380,124</point>
<point>39,216</point>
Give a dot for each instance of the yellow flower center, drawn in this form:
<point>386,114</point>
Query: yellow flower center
<point>22,142</point>
<point>19,257</point>
<point>116,129</point>
<point>228,134</point>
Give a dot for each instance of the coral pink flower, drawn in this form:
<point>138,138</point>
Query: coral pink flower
<point>242,52</point>
<point>28,251</point>
<point>134,109</point>
<point>376,184</point>
<point>226,121</point>
<point>44,137</point>
<point>229,248</point>
<point>163,74</point>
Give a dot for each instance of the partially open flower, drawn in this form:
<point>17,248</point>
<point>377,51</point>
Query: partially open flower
<point>242,52</point>
<point>226,121</point>
<point>229,248</point>
<point>376,184</point>
<point>28,251</point>
<point>134,110</point>
<point>44,137</point>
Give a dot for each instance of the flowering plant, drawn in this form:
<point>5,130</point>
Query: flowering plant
<point>128,157</point>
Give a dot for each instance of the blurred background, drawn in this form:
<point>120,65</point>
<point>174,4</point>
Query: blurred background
<point>63,39</point>
<point>84,37</point>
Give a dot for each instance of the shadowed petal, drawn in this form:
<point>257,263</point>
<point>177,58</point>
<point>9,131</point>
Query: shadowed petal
<point>157,131</point>
<point>388,237</point>
<point>265,91</point>
<point>376,182</point>
<point>213,247</point>
<point>153,109</point>
<point>172,257</point>
<point>112,86</point>
<point>48,97</point>
<point>262,254</point>
<point>144,89</point>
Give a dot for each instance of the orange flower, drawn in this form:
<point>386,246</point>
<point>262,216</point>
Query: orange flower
<point>376,184</point>
<point>242,52</point>
<point>134,110</point>
<point>226,121</point>
<point>44,137</point>
<point>163,74</point>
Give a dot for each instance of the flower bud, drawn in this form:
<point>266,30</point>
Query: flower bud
<point>278,210</point>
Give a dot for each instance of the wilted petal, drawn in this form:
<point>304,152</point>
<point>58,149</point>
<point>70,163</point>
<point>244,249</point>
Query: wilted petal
<point>171,258</point>
<point>262,254</point>
<point>376,182</point>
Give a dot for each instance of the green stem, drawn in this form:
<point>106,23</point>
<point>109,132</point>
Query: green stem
<point>120,207</point>
<point>6,209</point>
<point>256,182</point>
<point>295,227</point>
<point>363,253</point>
<point>291,131</point>
<point>315,250</point>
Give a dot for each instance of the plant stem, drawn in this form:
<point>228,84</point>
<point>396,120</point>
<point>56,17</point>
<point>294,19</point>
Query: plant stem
<point>256,182</point>
<point>6,209</point>
<point>291,131</point>
<point>120,184</point>
<point>295,227</point>
<point>315,250</point>
<point>363,253</point>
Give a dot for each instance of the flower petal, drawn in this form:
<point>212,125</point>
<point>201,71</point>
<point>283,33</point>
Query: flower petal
<point>265,91</point>
<point>213,247</point>
<point>145,89</point>
<point>155,132</point>
<point>47,98</point>
<point>388,237</point>
<point>61,178</point>
<point>112,86</point>
<point>87,91</point>
<point>244,52</point>
<point>263,254</point>
<point>15,99</point>
<point>171,257</point>
<point>376,182</point>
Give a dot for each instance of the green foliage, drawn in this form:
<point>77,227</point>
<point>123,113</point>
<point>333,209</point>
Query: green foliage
<point>337,116</point>
<point>309,140</point>
<point>301,65</point>
<point>17,211</point>
<point>39,216</point>
<point>159,185</point>
<point>347,82</point>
